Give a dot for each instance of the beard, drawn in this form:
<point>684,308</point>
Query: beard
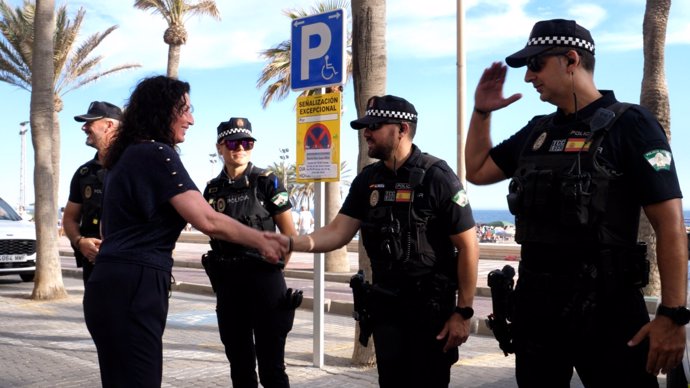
<point>381,151</point>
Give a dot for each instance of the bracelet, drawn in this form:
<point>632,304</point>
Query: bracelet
<point>290,242</point>
<point>76,242</point>
<point>484,114</point>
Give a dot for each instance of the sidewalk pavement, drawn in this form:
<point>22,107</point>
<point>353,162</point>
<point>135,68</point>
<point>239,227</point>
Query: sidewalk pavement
<point>46,344</point>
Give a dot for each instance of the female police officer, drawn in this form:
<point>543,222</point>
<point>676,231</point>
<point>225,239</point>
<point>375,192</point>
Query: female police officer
<point>255,310</point>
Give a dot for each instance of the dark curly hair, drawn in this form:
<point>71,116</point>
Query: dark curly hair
<point>148,115</point>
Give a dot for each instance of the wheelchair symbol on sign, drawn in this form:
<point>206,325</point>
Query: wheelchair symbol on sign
<point>328,71</point>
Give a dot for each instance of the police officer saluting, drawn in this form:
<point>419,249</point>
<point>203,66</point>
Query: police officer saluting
<point>418,230</point>
<point>580,177</point>
<point>255,309</point>
<point>82,215</point>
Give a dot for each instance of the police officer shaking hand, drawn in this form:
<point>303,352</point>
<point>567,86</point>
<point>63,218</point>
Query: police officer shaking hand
<point>418,230</point>
<point>579,178</point>
<point>254,307</point>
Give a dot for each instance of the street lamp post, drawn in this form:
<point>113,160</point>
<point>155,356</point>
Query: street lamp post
<point>22,167</point>
<point>213,158</point>
<point>284,156</point>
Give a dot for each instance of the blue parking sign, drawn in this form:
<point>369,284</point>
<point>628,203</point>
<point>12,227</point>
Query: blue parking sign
<point>318,50</point>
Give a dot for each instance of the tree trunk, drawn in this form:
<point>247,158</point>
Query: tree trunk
<point>48,281</point>
<point>173,60</point>
<point>654,96</point>
<point>369,76</point>
<point>336,260</point>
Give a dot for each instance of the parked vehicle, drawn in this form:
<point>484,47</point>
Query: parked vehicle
<point>17,244</point>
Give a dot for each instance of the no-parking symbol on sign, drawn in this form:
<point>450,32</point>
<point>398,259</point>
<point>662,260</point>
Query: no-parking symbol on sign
<point>318,138</point>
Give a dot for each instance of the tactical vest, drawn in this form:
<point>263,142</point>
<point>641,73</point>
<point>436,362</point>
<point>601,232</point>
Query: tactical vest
<point>565,197</point>
<point>91,187</point>
<point>394,229</point>
<point>240,200</point>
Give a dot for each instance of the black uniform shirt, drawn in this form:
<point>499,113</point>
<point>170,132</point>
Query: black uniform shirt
<point>139,224</point>
<point>636,147</point>
<point>444,192</point>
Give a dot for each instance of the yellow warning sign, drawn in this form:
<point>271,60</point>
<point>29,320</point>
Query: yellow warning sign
<point>318,138</point>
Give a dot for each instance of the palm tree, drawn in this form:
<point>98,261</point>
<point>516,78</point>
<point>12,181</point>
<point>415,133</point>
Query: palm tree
<point>174,12</point>
<point>48,283</point>
<point>276,75</point>
<point>654,96</point>
<point>72,68</point>
<point>369,75</point>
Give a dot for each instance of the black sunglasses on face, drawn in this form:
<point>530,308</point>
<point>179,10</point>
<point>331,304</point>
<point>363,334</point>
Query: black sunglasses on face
<point>234,145</point>
<point>377,126</point>
<point>536,63</point>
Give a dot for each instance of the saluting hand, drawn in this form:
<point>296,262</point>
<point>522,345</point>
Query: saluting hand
<point>488,96</point>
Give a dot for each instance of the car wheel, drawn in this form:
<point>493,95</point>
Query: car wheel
<point>27,277</point>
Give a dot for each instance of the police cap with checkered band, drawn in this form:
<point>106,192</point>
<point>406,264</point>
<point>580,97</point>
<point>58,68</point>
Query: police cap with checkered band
<point>548,34</point>
<point>234,129</point>
<point>386,109</point>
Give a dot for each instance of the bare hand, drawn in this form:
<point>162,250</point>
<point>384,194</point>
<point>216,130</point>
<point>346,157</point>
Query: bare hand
<point>274,247</point>
<point>457,330</point>
<point>89,247</point>
<point>666,344</point>
<point>488,96</point>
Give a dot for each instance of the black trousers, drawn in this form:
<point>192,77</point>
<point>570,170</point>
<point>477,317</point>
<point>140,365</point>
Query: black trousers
<point>561,325</point>
<point>407,351</point>
<point>254,322</point>
<point>125,308</point>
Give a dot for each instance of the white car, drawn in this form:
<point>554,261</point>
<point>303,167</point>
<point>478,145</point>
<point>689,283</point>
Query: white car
<point>17,244</point>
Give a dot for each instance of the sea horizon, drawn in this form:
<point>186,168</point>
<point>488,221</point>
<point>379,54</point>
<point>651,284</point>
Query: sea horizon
<point>482,216</point>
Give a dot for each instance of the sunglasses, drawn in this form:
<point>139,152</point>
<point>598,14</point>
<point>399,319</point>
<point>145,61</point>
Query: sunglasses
<point>536,63</point>
<point>377,126</point>
<point>234,145</point>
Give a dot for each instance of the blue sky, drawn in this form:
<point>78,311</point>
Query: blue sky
<point>221,63</point>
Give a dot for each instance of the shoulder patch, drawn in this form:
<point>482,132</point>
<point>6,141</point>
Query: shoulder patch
<point>280,199</point>
<point>659,159</point>
<point>461,198</point>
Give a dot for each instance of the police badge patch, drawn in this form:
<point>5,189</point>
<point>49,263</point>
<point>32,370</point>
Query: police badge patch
<point>460,198</point>
<point>88,192</point>
<point>659,159</point>
<point>280,199</point>
<point>220,205</point>
<point>374,198</point>
<point>539,142</point>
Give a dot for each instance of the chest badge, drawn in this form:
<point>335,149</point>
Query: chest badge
<point>88,192</point>
<point>539,142</point>
<point>220,205</point>
<point>374,198</point>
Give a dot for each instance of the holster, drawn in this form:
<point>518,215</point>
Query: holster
<point>501,284</point>
<point>211,263</point>
<point>362,308</point>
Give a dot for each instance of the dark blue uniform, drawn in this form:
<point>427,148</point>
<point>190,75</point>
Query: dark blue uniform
<point>406,220</point>
<point>86,189</point>
<point>253,315</point>
<point>577,197</point>
<point>126,297</point>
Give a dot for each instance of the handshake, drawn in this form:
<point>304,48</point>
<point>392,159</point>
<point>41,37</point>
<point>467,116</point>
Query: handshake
<point>276,246</point>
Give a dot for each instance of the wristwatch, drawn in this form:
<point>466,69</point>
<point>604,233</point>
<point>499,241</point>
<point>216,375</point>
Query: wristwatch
<point>679,315</point>
<point>465,312</point>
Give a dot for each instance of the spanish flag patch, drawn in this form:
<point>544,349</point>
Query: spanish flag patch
<point>577,144</point>
<point>403,195</point>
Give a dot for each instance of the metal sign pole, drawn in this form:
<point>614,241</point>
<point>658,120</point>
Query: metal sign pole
<point>318,307</point>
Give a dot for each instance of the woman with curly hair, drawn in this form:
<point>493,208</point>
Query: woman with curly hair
<point>148,199</point>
